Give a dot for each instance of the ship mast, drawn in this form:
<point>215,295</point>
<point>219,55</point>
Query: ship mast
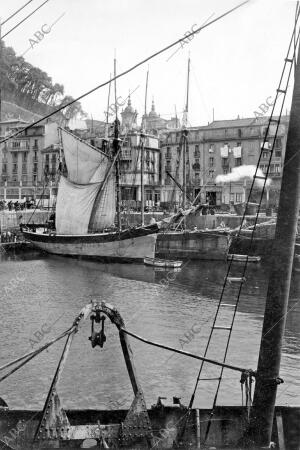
<point>143,137</point>
<point>107,115</point>
<point>116,146</point>
<point>184,134</point>
<point>276,309</point>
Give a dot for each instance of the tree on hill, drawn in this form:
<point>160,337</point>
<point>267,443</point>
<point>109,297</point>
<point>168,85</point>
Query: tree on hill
<point>73,110</point>
<point>27,84</point>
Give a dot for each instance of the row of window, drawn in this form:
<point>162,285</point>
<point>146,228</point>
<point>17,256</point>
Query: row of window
<point>53,158</point>
<point>23,144</point>
<point>266,154</point>
<point>169,152</point>
<point>196,135</point>
<point>24,179</point>
<point>277,147</point>
<point>24,156</point>
<point>236,197</point>
<point>274,168</point>
<point>15,168</point>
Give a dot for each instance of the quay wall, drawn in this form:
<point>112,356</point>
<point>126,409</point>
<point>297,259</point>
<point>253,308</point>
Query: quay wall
<point>192,245</point>
<point>259,246</point>
<point>202,222</point>
<point>206,244</point>
<point>12,219</point>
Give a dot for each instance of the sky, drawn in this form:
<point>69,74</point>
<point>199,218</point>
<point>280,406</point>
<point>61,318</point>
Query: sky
<point>235,63</point>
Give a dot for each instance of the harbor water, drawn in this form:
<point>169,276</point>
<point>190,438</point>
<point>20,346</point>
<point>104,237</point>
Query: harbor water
<point>41,295</point>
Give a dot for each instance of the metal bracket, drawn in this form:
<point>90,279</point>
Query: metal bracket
<point>137,424</point>
<point>55,424</point>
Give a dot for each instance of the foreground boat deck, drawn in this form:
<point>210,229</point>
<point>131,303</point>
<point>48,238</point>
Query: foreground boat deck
<point>17,428</point>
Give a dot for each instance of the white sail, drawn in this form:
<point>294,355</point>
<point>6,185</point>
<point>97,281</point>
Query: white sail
<point>84,162</point>
<point>103,214</point>
<point>74,206</point>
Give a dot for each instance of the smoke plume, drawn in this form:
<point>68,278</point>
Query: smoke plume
<point>240,172</point>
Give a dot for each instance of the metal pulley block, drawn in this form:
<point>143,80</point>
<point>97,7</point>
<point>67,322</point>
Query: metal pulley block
<point>97,337</point>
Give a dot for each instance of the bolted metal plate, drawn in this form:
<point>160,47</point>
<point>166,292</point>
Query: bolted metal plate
<point>55,423</point>
<point>137,424</point>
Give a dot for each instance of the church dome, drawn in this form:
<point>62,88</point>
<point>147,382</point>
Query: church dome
<point>153,113</point>
<point>129,109</point>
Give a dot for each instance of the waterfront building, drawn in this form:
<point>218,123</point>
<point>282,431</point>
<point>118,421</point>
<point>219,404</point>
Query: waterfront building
<point>216,149</point>
<point>29,162</point>
<point>130,170</point>
<point>26,167</point>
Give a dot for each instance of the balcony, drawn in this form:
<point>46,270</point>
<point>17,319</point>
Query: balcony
<point>126,155</point>
<point>12,183</point>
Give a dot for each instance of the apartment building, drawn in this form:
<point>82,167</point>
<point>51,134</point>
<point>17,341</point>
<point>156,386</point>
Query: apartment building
<point>130,170</point>
<point>216,149</point>
<point>24,162</point>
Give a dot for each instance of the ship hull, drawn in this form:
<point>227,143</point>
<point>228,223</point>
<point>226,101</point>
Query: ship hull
<point>129,245</point>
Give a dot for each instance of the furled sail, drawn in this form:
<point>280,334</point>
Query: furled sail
<point>84,162</point>
<point>74,206</point>
<point>103,214</point>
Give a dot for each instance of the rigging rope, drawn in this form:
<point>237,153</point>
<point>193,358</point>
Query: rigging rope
<point>16,12</point>
<point>16,26</point>
<point>42,196</point>
<point>191,355</point>
<point>186,36</point>
<point>28,356</point>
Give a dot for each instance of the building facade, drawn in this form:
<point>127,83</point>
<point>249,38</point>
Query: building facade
<point>31,161</point>
<point>27,172</point>
<point>130,170</point>
<point>215,150</point>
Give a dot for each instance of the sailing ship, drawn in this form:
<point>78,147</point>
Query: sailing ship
<point>258,424</point>
<point>86,210</point>
<point>255,425</point>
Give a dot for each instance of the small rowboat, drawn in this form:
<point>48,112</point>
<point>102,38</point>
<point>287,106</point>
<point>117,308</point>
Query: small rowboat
<point>164,263</point>
<point>243,258</point>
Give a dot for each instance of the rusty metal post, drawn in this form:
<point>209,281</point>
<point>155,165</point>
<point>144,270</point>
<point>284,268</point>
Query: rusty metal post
<point>261,420</point>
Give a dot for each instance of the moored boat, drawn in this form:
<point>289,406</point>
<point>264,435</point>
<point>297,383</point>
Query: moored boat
<point>243,258</point>
<point>164,263</point>
<point>86,208</point>
<point>135,244</point>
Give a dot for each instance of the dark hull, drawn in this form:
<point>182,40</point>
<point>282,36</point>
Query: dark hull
<point>227,427</point>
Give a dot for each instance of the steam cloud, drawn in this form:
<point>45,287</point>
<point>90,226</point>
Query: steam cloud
<point>241,172</point>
